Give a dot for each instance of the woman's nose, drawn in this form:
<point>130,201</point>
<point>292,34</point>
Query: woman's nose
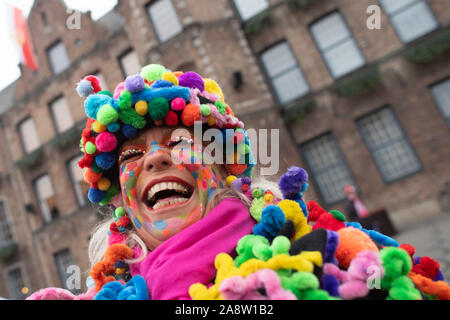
<point>158,161</point>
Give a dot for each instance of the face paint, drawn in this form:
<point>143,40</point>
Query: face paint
<point>207,180</point>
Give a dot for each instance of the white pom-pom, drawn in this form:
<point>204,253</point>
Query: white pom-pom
<point>84,88</point>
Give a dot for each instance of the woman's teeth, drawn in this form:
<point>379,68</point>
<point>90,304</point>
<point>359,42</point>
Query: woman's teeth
<point>166,186</point>
<point>165,203</point>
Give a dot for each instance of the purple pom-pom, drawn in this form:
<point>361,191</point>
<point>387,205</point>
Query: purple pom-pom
<point>135,83</point>
<point>237,184</point>
<point>84,88</point>
<point>291,183</point>
<point>330,284</point>
<point>192,80</point>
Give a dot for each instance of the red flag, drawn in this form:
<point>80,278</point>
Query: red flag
<point>19,27</point>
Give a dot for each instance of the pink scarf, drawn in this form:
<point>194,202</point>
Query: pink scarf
<point>188,257</point>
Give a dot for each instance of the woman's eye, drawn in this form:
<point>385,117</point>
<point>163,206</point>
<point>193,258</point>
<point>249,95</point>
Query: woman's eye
<point>129,154</point>
<point>172,143</point>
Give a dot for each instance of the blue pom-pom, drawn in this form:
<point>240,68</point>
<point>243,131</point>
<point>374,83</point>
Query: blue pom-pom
<point>293,181</point>
<point>381,238</point>
<point>96,195</point>
<point>115,104</point>
<point>113,127</point>
<point>129,131</point>
<point>135,83</point>
<point>93,104</point>
<point>330,284</point>
<point>161,84</point>
<point>135,289</point>
<point>272,220</point>
<point>105,160</point>
<point>84,88</point>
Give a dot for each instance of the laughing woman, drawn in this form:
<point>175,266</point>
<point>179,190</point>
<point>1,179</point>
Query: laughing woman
<point>189,223</point>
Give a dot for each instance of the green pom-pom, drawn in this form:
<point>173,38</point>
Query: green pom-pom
<point>95,168</point>
<point>256,208</point>
<point>158,108</point>
<point>90,148</point>
<point>152,72</point>
<point>338,215</point>
<point>107,114</point>
<point>205,110</point>
<point>257,193</point>
<point>119,212</point>
<point>125,100</point>
<point>111,193</point>
<point>222,107</point>
<point>107,93</point>
<point>242,148</point>
<point>82,144</point>
<point>280,245</point>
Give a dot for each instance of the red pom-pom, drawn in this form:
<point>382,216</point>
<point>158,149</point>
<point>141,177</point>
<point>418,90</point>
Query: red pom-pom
<point>171,118</point>
<point>95,83</point>
<point>244,188</point>
<point>427,267</point>
<point>190,115</point>
<point>314,211</point>
<point>237,169</point>
<point>328,222</point>
<point>113,228</point>
<point>239,137</point>
<point>410,249</point>
<point>106,142</point>
<point>123,222</point>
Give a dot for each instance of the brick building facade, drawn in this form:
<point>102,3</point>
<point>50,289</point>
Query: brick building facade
<point>353,105</point>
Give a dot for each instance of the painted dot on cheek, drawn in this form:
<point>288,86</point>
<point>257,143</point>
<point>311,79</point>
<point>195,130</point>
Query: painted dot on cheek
<point>160,225</point>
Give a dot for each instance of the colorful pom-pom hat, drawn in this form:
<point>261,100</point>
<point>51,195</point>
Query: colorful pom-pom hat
<point>155,97</point>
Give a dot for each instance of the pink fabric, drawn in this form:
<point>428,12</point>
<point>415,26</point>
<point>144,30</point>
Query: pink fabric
<point>188,257</point>
<point>61,294</point>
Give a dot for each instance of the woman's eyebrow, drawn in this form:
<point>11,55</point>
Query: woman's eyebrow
<point>139,141</point>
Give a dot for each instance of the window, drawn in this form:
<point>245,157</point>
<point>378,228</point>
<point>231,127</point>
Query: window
<point>165,19</point>
<point>129,62</point>
<point>47,199</point>
<point>328,167</point>
<point>28,135</point>
<point>388,145</point>
<point>284,73</point>
<point>410,18</point>
<point>16,284</point>
<point>6,235</point>
<point>63,260</point>
<point>76,174</point>
<point>441,94</point>
<point>337,45</point>
<point>57,55</point>
<point>61,115</point>
<point>250,8</point>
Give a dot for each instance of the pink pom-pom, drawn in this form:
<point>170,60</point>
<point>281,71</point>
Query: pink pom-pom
<point>178,104</point>
<point>119,89</point>
<point>106,142</point>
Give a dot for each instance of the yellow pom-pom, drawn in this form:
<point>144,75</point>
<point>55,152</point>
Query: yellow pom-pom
<point>229,180</point>
<point>141,108</point>
<point>212,87</point>
<point>104,184</point>
<point>211,121</point>
<point>98,127</point>
<point>293,212</point>
<point>268,197</point>
<point>169,76</point>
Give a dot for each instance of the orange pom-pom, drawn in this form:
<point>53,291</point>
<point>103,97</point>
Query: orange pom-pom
<point>190,115</point>
<point>91,176</point>
<point>178,73</point>
<point>159,123</point>
<point>237,169</point>
<point>351,242</point>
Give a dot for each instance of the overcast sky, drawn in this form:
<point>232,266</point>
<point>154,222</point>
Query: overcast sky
<point>9,58</point>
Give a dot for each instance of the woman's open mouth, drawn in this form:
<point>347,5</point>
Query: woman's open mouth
<point>167,192</point>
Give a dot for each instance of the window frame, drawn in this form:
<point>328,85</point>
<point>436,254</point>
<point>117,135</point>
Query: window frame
<point>121,56</point>
<point>9,221</point>
<point>269,79</point>
<point>72,179</point>
<point>55,124</point>
<point>24,275</point>
<point>314,174</point>
<point>34,182</point>
<point>372,150</point>
<point>155,30</point>
<point>389,16</point>
<point>350,31</point>
<point>435,102</point>
<point>236,7</point>
<point>47,51</point>
<point>21,137</point>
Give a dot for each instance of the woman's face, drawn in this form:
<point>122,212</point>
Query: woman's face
<point>165,191</point>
